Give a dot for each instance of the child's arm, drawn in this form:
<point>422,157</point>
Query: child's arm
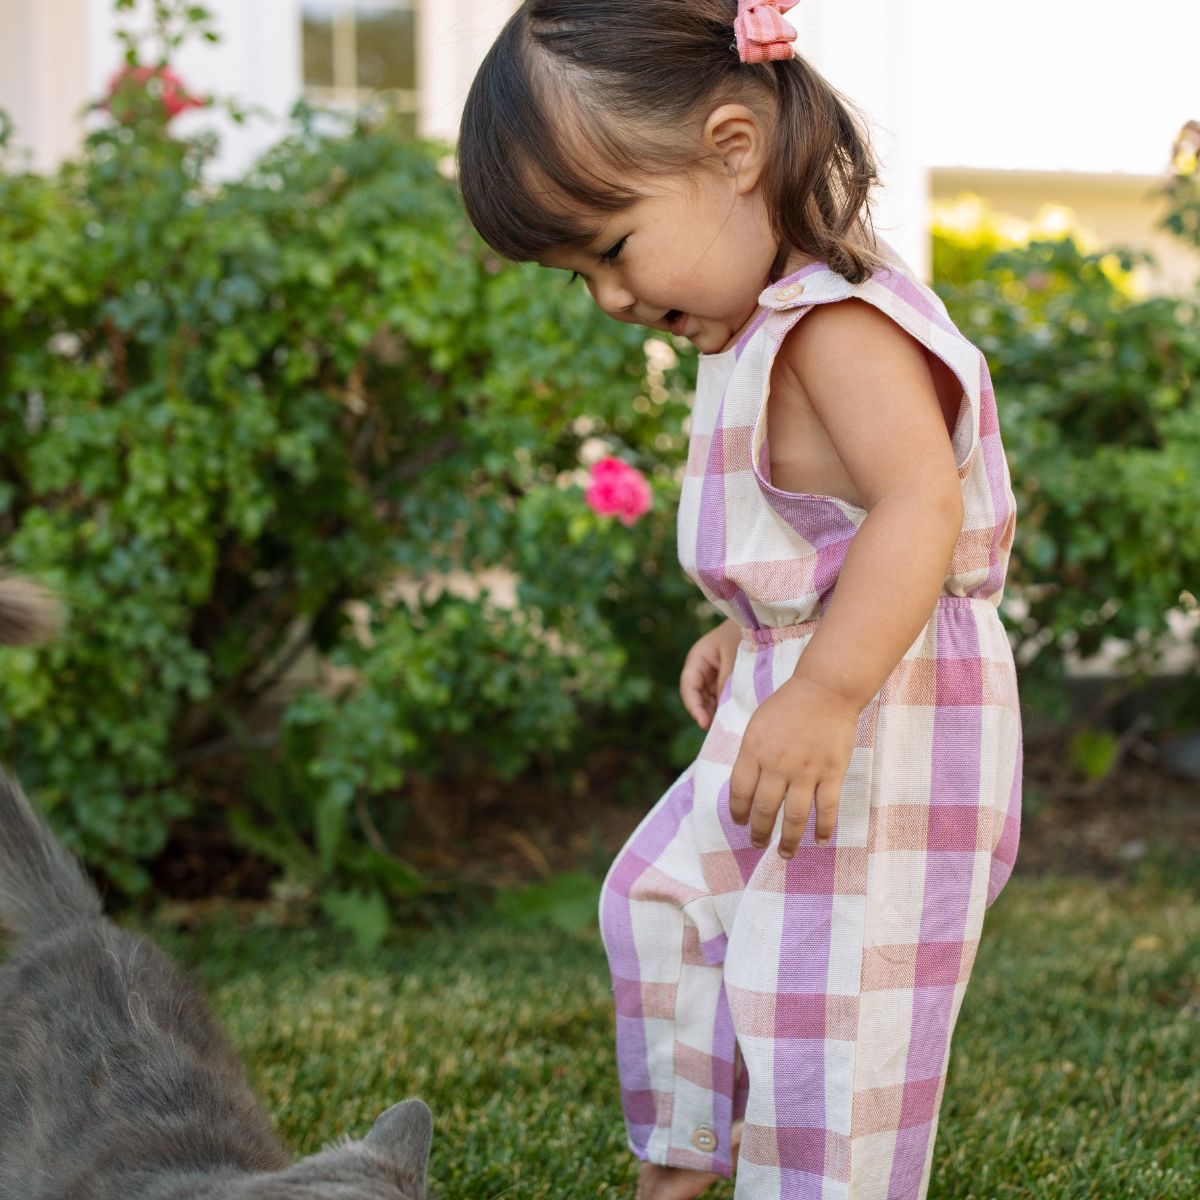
<point>871,387</point>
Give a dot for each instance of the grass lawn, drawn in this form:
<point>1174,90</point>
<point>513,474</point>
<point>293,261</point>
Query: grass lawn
<point>1076,1070</point>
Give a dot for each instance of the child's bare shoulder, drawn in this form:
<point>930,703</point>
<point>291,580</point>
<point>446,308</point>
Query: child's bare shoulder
<point>845,339</point>
<point>852,383</point>
<point>852,357</point>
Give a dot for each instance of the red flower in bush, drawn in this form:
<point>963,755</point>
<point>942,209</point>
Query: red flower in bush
<point>131,86</point>
<point>618,490</point>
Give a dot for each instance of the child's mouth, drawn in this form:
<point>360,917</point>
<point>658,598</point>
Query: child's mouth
<point>676,321</point>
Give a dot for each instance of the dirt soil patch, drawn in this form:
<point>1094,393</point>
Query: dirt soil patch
<point>499,836</point>
<point>1105,827</point>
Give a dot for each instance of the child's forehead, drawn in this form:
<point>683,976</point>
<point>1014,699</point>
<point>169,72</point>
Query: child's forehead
<point>559,258</point>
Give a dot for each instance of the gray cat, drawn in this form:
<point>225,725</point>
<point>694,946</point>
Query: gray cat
<point>116,1083</point>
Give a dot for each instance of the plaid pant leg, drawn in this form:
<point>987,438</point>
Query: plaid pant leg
<point>792,974</point>
<point>846,1034</point>
<point>676,1050</point>
<point>942,839</point>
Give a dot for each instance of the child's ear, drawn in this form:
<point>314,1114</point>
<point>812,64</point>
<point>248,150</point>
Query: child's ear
<point>735,133</point>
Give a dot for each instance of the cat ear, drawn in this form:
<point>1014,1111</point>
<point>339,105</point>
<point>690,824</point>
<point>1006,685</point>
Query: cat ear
<point>403,1134</point>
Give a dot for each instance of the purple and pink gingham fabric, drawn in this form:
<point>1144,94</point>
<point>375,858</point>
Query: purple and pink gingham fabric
<point>815,998</point>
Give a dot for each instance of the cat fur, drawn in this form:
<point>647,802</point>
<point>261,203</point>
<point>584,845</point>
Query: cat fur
<point>116,1082</point>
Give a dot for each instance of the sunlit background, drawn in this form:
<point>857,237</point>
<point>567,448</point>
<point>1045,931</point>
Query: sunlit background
<point>1060,112</point>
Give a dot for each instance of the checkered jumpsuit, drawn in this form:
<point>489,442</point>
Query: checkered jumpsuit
<point>817,996</point>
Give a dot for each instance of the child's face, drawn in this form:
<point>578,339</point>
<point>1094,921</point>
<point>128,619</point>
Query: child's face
<point>691,257</point>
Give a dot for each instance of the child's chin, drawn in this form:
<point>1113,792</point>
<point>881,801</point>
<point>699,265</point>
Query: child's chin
<point>708,341</point>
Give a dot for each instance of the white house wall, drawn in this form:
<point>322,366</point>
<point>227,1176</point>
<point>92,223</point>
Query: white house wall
<point>868,51</point>
<point>1095,86</point>
<point>454,36</point>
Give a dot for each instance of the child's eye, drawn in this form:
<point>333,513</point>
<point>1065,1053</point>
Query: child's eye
<point>610,256</point>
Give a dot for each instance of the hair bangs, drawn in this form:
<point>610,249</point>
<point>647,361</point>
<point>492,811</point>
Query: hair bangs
<point>526,185</point>
<point>577,95</point>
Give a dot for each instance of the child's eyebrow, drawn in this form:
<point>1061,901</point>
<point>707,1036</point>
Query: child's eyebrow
<point>585,245</point>
<point>588,240</point>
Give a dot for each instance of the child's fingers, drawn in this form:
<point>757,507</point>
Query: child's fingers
<point>697,665</point>
<point>696,696</point>
<point>701,712</point>
<point>796,806</point>
<point>742,781</point>
<point>768,796</point>
<point>829,793</point>
<point>800,799</point>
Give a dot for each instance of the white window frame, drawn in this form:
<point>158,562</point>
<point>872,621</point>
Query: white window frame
<point>346,91</point>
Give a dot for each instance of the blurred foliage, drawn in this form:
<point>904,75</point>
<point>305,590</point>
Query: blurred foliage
<point>967,235</point>
<point>1094,752</point>
<point>1182,192</point>
<point>1099,394</point>
<point>569,901</point>
<point>229,412</point>
<point>305,415</point>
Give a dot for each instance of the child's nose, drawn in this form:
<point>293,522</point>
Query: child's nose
<point>613,299</point>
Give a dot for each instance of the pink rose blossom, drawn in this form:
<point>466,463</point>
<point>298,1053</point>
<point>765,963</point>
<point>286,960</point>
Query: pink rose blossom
<point>160,82</point>
<point>618,490</point>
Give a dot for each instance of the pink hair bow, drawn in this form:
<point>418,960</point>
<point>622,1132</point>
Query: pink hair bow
<point>762,33</point>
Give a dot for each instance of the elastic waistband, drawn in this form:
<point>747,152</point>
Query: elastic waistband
<point>789,633</point>
<point>782,633</point>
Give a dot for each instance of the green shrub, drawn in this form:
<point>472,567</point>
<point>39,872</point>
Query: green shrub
<point>237,422</point>
<point>1182,192</point>
<point>1099,395</point>
<point>226,412</point>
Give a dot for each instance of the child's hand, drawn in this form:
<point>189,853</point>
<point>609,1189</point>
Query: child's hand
<point>796,746</point>
<point>705,670</point>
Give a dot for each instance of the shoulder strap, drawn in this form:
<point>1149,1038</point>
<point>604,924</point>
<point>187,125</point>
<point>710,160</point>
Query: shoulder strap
<point>917,309</point>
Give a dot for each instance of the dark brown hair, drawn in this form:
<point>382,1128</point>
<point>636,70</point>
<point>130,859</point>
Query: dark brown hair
<point>578,100</point>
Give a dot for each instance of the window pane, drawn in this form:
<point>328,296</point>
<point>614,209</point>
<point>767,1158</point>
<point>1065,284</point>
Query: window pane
<point>318,44</point>
<point>386,44</point>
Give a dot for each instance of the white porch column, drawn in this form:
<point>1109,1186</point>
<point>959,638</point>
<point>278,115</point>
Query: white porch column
<point>868,51</point>
<point>452,38</point>
<point>43,75</point>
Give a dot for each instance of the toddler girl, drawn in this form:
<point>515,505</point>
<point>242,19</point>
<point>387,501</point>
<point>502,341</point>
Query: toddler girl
<point>792,927</point>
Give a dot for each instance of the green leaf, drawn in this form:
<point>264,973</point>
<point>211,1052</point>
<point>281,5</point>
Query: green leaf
<point>569,901</point>
<point>330,825</point>
<point>1094,752</point>
<point>272,844</point>
<point>394,875</point>
<point>362,914</point>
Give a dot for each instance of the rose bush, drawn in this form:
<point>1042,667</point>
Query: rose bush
<point>249,425</point>
<point>135,89</point>
<point>299,417</point>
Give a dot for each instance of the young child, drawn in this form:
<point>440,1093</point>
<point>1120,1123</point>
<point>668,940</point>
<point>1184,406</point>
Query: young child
<point>792,927</point>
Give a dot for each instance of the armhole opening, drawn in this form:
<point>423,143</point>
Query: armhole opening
<point>760,457</point>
